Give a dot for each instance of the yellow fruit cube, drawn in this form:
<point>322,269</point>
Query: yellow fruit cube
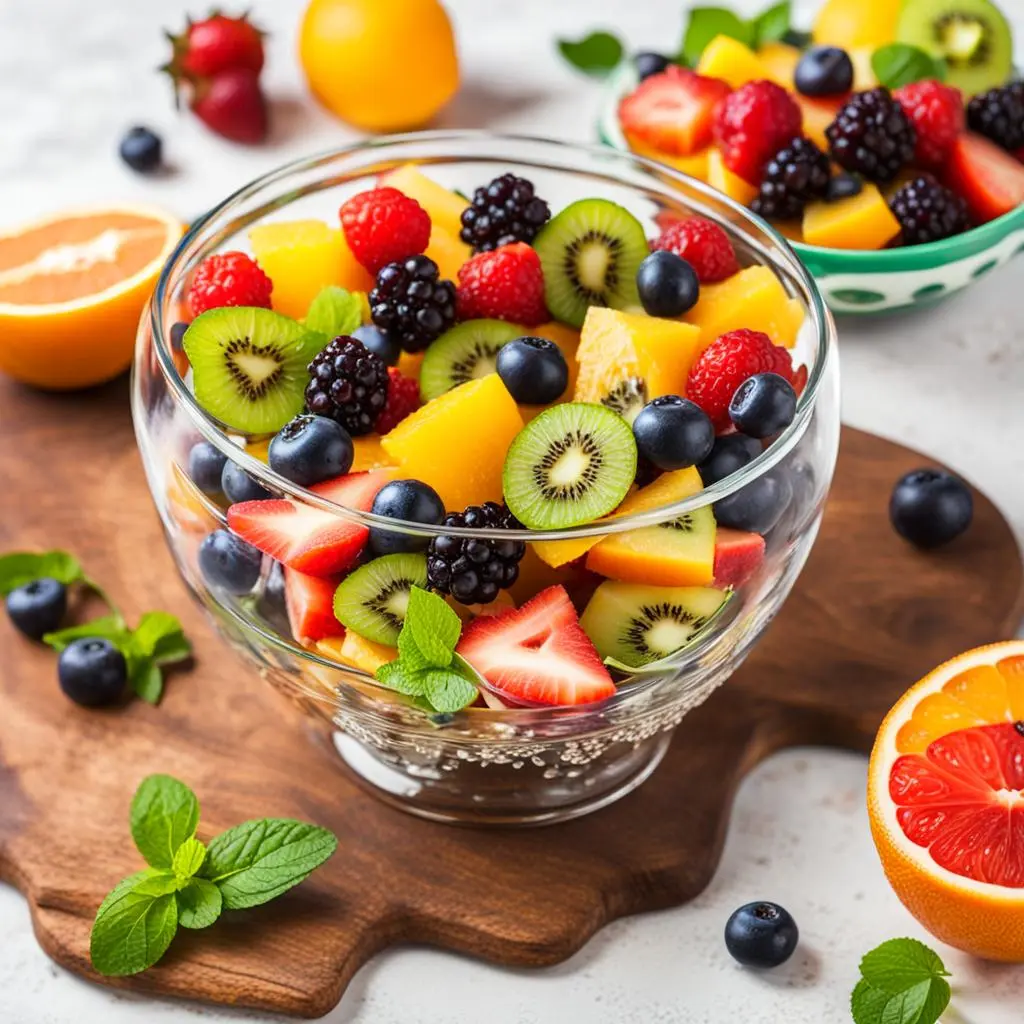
<point>445,208</point>
<point>457,443</point>
<point>780,61</point>
<point>863,73</point>
<point>791,229</point>
<point>369,454</point>
<point>853,23</point>
<point>301,257</point>
<point>720,177</point>
<point>753,298</point>
<point>863,221</point>
<point>818,114</point>
<point>728,59</point>
<point>448,252</point>
<point>568,340</point>
<point>696,165</point>
<point>409,364</point>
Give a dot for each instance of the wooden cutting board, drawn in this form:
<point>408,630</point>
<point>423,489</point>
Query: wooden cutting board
<point>868,617</point>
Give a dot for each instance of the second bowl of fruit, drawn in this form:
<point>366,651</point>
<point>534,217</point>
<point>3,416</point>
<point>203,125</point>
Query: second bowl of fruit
<point>489,488</point>
<point>893,198</point>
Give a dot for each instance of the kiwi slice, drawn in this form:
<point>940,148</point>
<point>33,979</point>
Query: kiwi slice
<point>466,352</point>
<point>249,366</point>
<point>572,464</point>
<point>635,624</point>
<point>590,253</point>
<point>972,36</point>
<point>372,600</point>
<point>627,398</point>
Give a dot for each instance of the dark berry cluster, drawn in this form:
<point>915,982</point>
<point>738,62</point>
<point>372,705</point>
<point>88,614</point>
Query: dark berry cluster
<point>412,303</point>
<point>872,135</point>
<point>999,115</point>
<point>798,173</point>
<point>928,211</point>
<point>505,211</point>
<point>470,569</point>
<point>348,384</point>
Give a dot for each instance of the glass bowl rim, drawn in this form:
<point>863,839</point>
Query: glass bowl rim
<point>215,433</point>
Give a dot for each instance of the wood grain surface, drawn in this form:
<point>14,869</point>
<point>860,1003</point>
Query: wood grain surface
<point>868,616</point>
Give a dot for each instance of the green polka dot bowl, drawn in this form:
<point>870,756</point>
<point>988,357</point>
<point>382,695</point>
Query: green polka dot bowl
<point>861,282</point>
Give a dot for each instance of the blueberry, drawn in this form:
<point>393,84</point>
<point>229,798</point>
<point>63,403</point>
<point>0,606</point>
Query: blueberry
<point>311,449</point>
<point>380,342</point>
<point>141,149</point>
<point>92,671</point>
<point>673,433</point>
<point>824,71</point>
<point>757,506</point>
<point>237,485</point>
<point>649,63</point>
<point>730,453</point>
<point>272,604</point>
<point>930,507</point>
<point>178,330</point>
<point>38,607</point>
<point>763,405</point>
<point>533,370</point>
<point>843,186</point>
<point>228,563</point>
<point>206,467</point>
<point>411,500</point>
<point>761,935</point>
<point>667,284</point>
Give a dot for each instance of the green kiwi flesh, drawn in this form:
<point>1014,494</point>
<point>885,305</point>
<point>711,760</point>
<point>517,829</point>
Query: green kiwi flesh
<point>570,465</point>
<point>971,36</point>
<point>372,601</point>
<point>249,366</point>
<point>636,624</point>
<point>627,398</point>
<point>466,352</point>
<point>590,253</point>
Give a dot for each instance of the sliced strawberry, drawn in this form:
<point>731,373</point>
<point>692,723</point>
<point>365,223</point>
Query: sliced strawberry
<point>355,490</point>
<point>986,176</point>
<point>673,111</point>
<point>800,380</point>
<point>538,655</point>
<point>738,555</point>
<point>310,603</point>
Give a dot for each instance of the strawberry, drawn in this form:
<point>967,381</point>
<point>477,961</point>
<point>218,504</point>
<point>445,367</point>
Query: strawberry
<point>986,176</point>
<point>310,603</point>
<point>674,111</point>
<point>537,655</point>
<point>232,104</point>
<point>217,43</point>
<point>738,555</point>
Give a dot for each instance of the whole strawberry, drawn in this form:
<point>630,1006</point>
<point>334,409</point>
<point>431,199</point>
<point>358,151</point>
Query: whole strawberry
<point>217,43</point>
<point>232,104</point>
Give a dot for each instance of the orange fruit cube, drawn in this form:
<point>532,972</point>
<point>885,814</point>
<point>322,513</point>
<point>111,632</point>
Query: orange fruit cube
<point>444,207</point>
<point>728,59</point>
<point>863,221</point>
<point>720,177</point>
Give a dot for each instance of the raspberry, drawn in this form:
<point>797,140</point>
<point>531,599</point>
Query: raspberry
<point>999,115</point>
<point>403,400</point>
<point>349,384</point>
<point>937,113</point>
<point>383,225</point>
<point>503,212</point>
<point>228,279</point>
<point>798,173</point>
<point>753,124</point>
<point>726,363</point>
<point>871,135</point>
<point>704,245</point>
<point>411,303</point>
<point>506,284</point>
<point>928,211</point>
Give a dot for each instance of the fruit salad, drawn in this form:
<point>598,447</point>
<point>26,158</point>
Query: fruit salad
<point>893,125</point>
<point>447,392</point>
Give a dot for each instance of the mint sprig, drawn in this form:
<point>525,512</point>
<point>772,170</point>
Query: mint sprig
<point>706,23</point>
<point>427,666</point>
<point>595,54</point>
<point>902,982</point>
<point>334,311</point>
<point>188,883</point>
<point>899,64</point>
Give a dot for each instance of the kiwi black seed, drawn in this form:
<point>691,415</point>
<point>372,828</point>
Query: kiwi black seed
<point>627,398</point>
<point>372,601</point>
<point>466,352</point>
<point>572,464</point>
<point>249,366</point>
<point>590,253</point>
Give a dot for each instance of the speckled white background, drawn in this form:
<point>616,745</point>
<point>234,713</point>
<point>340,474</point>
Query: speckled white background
<point>950,382</point>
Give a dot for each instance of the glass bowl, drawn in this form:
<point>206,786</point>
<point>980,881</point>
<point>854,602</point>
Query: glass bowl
<point>491,763</point>
<point>860,282</point>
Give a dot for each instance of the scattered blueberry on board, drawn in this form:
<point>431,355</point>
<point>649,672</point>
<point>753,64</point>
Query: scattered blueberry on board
<point>930,507</point>
<point>92,672</point>
<point>142,149</point>
<point>761,935</point>
<point>38,608</point>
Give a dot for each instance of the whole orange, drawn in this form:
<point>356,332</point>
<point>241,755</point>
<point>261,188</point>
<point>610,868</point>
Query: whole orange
<point>381,65</point>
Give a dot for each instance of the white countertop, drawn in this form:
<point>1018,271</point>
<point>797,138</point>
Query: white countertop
<point>949,382</point>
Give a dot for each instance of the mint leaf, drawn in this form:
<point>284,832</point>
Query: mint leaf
<point>132,929</point>
<point>899,64</point>
<point>258,860</point>
<point>164,813</point>
<point>596,54</point>
<point>334,311</point>
<point>707,22</point>
<point>434,626</point>
<point>397,677</point>
<point>171,648</point>
<point>448,691</point>
<point>771,25</point>
<point>199,904</point>
<point>21,567</point>
<point>923,1003</point>
<point>412,658</point>
<point>146,680</point>
<point>188,858</point>
<point>159,631</point>
<point>899,963</point>
<point>108,627</point>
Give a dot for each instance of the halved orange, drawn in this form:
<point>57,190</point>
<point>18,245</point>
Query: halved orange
<point>72,289</point>
<point>946,801</point>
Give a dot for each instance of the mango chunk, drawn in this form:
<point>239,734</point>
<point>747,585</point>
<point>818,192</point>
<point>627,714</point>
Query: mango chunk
<point>720,177</point>
<point>728,59</point>
<point>444,207</point>
<point>780,61</point>
<point>448,251</point>
<point>863,221</point>
<point>695,165</point>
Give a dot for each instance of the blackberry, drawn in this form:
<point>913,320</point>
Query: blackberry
<point>928,211</point>
<point>412,303</point>
<point>348,384</point>
<point>872,135</point>
<point>503,212</point>
<point>470,569</point>
<point>999,115</point>
<point>798,173</point>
